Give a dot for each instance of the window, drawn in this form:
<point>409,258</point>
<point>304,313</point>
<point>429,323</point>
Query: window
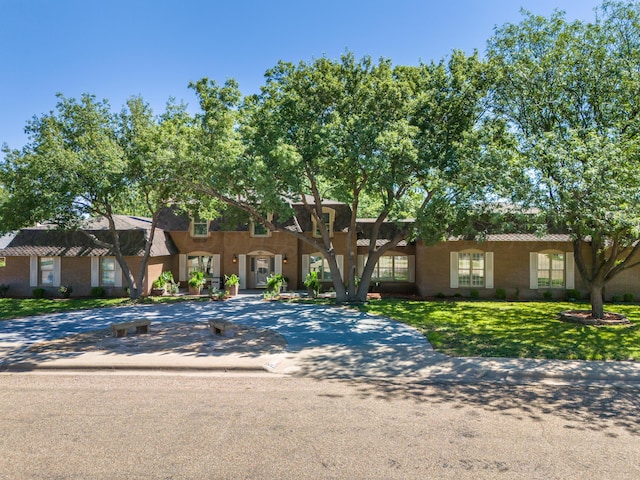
<point>328,217</point>
<point>319,264</point>
<point>471,269</point>
<point>46,270</point>
<point>551,270</point>
<point>391,268</point>
<point>107,271</point>
<point>199,227</point>
<point>258,229</point>
<point>3,262</point>
<point>200,263</point>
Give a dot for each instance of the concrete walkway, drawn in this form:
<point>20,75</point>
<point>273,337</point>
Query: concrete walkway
<point>323,342</point>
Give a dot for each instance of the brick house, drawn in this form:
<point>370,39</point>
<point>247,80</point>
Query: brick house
<point>522,265</point>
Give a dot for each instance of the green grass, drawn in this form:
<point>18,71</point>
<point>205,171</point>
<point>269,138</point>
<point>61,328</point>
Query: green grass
<point>515,329</point>
<point>12,307</point>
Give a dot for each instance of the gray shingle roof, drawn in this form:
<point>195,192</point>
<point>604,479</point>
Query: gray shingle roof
<point>46,240</point>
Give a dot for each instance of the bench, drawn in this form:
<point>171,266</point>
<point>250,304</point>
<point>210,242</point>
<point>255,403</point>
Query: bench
<point>120,329</point>
<point>222,327</point>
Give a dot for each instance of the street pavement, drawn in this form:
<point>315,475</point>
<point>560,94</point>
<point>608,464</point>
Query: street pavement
<point>322,342</point>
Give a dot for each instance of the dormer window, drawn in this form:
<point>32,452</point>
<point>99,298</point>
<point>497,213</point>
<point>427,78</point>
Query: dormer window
<point>328,217</point>
<point>257,229</point>
<point>199,227</point>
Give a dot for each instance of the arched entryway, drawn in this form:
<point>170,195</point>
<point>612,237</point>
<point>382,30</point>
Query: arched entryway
<point>261,264</point>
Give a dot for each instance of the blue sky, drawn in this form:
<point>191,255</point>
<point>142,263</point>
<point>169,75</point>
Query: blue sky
<point>154,48</point>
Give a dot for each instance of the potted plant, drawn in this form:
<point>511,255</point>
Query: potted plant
<point>159,285</point>
<point>196,282</point>
<point>312,282</point>
<point>275,283</point>
<point>215,294</point>
<point>232,283</point>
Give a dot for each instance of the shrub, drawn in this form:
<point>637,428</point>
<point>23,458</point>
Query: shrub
<point>173,288</point>
<point>98,292</point>
<point>474,294</point>
<point>573,294</point>
<point>65,290</point>
<point>516,294</point>
<point>39,293</point>
<point>3,290</point>
<point>547,295</point>
<point>629,297</point>
<point>440,295</point>
<point>312,282</point>
<point>501,294</point>
<point>616,299</point>
<point>275,282</point>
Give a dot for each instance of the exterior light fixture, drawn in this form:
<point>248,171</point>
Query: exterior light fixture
<point>285,259</point>
<point>234,259</point>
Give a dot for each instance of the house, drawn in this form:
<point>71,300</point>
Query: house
<point>521,265</point>
<point>45,257</point>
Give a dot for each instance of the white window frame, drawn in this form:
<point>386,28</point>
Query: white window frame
<point>114,270</point>
<point>455,269</point>
<point>306,265</point>
<point>50,268</point>
<point>568,270</point>
<point>199,221</point>
<point>332,218</point>
<point>96,272</point>
<point>35,271</point>
<point>252,227</point>
<point>375,275</point>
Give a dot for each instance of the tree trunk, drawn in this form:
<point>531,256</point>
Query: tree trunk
<point>597,301</point>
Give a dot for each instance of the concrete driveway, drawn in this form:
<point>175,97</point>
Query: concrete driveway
<point>323,341</point>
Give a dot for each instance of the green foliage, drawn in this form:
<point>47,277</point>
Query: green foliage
<point>216,294</point>
<point>65,290</point>
<point>629,298</point>
<point>87,161</point>
<point>98,292</point>
<point>165,278</point>
<point>501,294</point>
<point>39,293</point>
<point>393,142</point>
<point>3,290</point>
<point>573,294</point>
<point>275,282</point>
<point>312,282</point>
<point>568,93</point>
<point>547,294</point>
<point>196,279</point>
<point>173,288</point>
<point>514,329</point>
<point>231,280</point>
<point>475,294</point>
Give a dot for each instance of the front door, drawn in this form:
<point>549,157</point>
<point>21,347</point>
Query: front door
<point>262,271</point>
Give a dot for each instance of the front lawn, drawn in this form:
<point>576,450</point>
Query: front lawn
<point>13,308</point>
<point>515,329</point>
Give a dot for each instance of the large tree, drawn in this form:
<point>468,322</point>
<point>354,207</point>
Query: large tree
<point>405,139</point>
<point>569,92</point>
<point>83,160</point>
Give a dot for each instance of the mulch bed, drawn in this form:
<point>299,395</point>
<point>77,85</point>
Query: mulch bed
<point>583,317</point>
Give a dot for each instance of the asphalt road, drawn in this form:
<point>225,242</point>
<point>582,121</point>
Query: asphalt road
<point>161,426</point>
